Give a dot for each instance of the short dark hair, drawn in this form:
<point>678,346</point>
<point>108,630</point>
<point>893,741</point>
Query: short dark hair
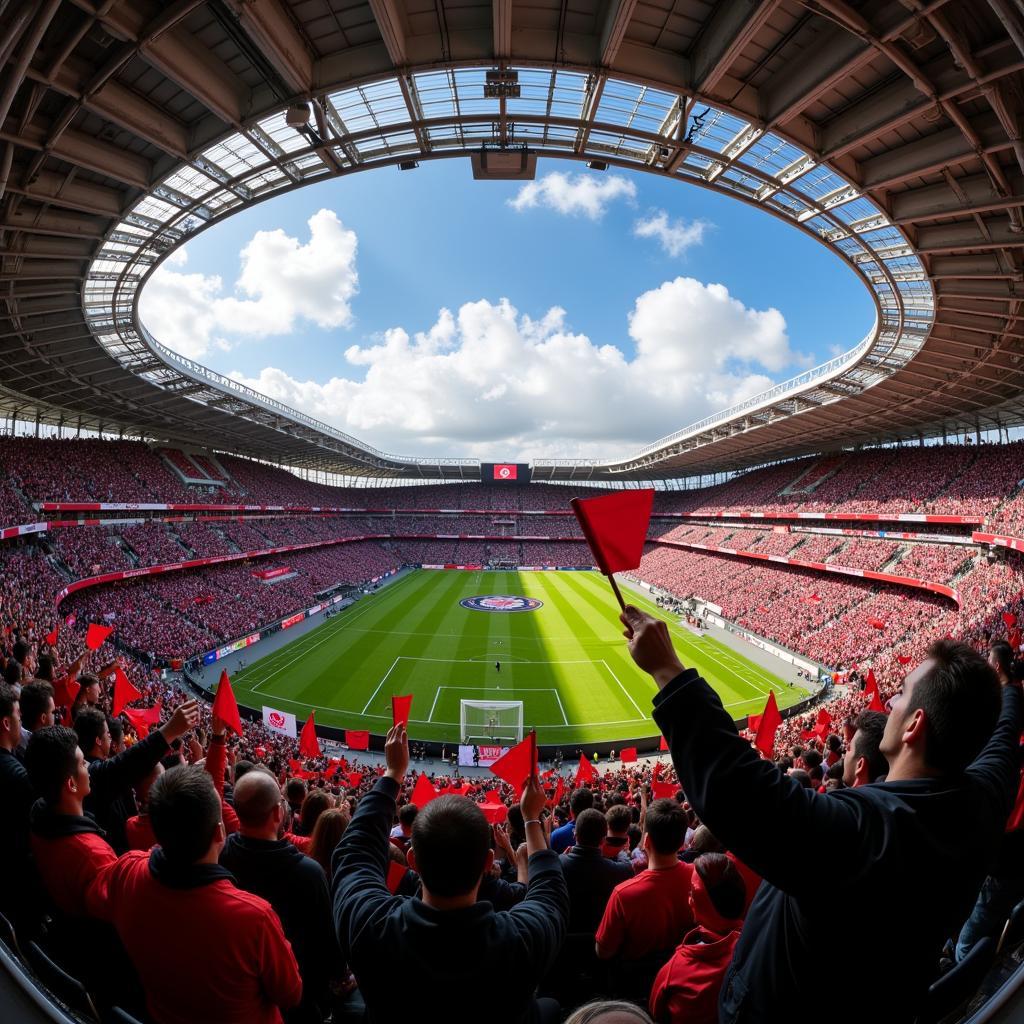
<point>44,668</point>
<point>35,699</point>
<point>619,817</point>
<point>451,839</point>
<point>8,698</point>
<point>241,767</point>
<point>295,791</point>
<point>89,724</point>
<point>87,680</point>
<point>591,828</point>
<point>12,672</point>
<point>20,651</point>
<point>407,814</point>
<point>811,759</point>
<point>723,884</point>
<point>867,739</point>
<point>1002,654</point>
<point>960,696</point>
<point>801,776</point>
<point>116,727</point>
<point>184,810</point>
<point>581,800</point>
<point>50,760</point>
<point>666,825</point>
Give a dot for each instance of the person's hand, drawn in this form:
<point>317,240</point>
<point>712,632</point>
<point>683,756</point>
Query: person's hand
<point>522,856</point>
<point>185,717</point>
<point>218,728</point>
<point>502,840</point>
<point>532,802</point>
<point>396,753</point>
<point>195,750</point>
<point>650,645</point>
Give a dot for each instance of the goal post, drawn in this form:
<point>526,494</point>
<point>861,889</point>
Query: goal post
<point>486,721</point>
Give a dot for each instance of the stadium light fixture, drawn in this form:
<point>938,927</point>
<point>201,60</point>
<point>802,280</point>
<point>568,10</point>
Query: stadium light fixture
<point>297,115</point>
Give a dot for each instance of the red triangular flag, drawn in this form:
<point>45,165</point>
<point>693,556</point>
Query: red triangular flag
<point>124,692</point>
<point>225,707</point>
<point>556,797</point>
<point>357,739</point>
<point>354,779</point>
<point>768,726</point>
<point>664,790</point>
<point>628,755</point>
<point>65,691</point>
<point>585,773</point>
<point>1009,618</point>
<point>143,719</point>
<point>871,687</point>
<point>615,526</point>
<point>664,744</point>
<point>875,704</point>
<point>824,721</point>
<point>423,792</point>
<point>656,774</point>
<point>516,766</point>
<point>904,659</point>
<point>401,707</point>
<point>308,744</point>
<point>51,637</point>
<point>95,635</point>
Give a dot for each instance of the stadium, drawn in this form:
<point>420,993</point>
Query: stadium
<point>208,593</point>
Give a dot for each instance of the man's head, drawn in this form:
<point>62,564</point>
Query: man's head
<point>93,733</point>
<point>406,816</point>
<point>718,895</point>
<point>37,705</point>
<point>944,714</point>
<point>864,762</point>
<point>45,668</point>
<point>184,810</point>
<point>56,767</point>
<point>10,717</point>
<point>116,729</point>
<point>591,828</point>
<point>258,803</point>
<point>1000,657</point>
<point>295,793</point>
<point>619,818</point>
<point>581,800</point>
<point>89,690</point>
<point>451,846</point>
<point>665,827</point>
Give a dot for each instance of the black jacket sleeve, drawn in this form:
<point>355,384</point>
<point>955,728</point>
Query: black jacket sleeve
<point>996,770</point>
<point>124,769</point>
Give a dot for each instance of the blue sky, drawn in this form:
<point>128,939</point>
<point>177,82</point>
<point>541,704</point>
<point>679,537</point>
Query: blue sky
<point>606,340</point>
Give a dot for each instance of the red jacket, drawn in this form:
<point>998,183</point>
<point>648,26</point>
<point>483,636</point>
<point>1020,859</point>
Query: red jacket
<point>69,852</point>
<point>204,949</point>
<point>687,987</point>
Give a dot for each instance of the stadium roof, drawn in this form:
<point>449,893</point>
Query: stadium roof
<point>888,131</point>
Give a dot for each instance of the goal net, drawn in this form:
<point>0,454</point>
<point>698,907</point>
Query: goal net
<point>485,721</point>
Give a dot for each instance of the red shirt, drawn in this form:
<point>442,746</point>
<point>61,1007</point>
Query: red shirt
<point>687,987</point>
<point>647,913</point>
<point>68,865</point>
<point>209,953</point>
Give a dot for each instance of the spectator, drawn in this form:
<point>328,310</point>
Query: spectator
<point>36,706</point>
<point>15,803</point>
<point>864,760</point>
<point>616,842</point>
<point>608,1012</point>
<point>330,827</point>
<point>688,986</point>
<point>218,952</point>
<point>401,834</point>
<point>564,837</point>
<point>589,875</point>
<point>895,863</point>
<point>494,959</point>
<point>292,883</point>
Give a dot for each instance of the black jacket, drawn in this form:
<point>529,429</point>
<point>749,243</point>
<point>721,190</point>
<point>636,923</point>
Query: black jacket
<point>408,956</point>
<point>296,887</point>
<point>16,797</point>
<point>904,861</point>
<point>111,800</point>
<point>590,876</point>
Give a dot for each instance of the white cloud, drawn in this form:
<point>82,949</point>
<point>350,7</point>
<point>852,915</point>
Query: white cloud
<point>281,281</point>
<point>675,236</point>
<point>488,381</point>
<point>585,194</point>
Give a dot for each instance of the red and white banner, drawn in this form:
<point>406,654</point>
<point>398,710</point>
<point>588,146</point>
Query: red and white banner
<point>280,721</point>
<point>270,574</point>
<point>506,471</point>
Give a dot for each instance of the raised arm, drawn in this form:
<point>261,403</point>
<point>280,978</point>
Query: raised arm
<point>996,770</point>
<point>762,815</point>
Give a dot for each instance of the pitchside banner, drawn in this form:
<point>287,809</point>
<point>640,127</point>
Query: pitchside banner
<point>488,755</point>
<point>279,721</point>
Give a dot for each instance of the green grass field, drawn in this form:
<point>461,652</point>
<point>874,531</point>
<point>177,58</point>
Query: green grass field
<point>567,661</point>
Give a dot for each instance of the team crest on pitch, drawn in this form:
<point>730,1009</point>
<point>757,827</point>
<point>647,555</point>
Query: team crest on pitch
<point>501,603</point>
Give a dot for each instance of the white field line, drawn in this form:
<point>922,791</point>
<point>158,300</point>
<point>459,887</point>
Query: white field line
<point>434,705</point>
<point>380,684</point>
<point>560,708</point>
<point>629,696</point>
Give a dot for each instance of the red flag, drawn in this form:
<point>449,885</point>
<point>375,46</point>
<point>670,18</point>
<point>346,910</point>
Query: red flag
<point>1014,639</point>
<point>401,707</point>
<point>65,691</point>
<point>556,797</point>
<point>494,813</point>
<point>225,707</point>
<point>309,746</point>
<point>753,722</point>
<point>354,779</point>
<point>357,739</point>
<point>664,790</point>
<point>768,726</point>
<point>904,659</point>
<point>1009,618</point>
<point>656,774</point>
<point>423,792</point>
<point>628,755</point>
<point>877,623</point>
<point>664,744</point>
<point>585,773</point>
<point>492,796</point>
<point>615,526</point>
<point>124,692</point>
<point>871,686</point>
<point>824,721</point>
<point>516,766</point>
<point>143,719</point>
<point>95,635</point>
<point>396,872</point>
<point>51,637</point>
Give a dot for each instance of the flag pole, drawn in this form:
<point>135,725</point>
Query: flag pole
<point>618,593</point>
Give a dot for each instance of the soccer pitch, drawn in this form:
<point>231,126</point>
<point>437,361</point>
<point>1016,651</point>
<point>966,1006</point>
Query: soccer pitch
<point>566,661</point>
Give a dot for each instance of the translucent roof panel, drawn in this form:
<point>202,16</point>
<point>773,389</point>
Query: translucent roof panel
<point>236,155</point>
<point>371,106</point>
<point>634,106</point>
<point>771,154</point>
